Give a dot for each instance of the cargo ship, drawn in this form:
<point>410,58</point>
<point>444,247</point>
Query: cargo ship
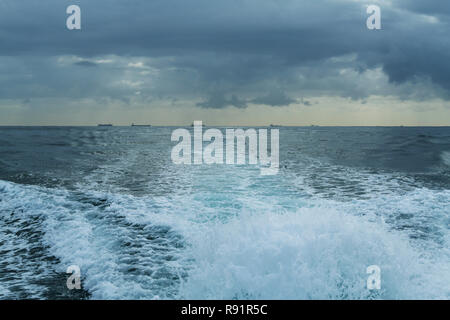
<point>141,125</point>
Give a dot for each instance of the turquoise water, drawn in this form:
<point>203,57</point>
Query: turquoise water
<point>111,201</point>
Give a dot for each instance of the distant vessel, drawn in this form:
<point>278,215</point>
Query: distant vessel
<point>105,125</point>
<point>141,125</point>
<point>276,125</point>
<point>203,125</point>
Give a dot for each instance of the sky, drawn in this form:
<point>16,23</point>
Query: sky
<point>227,62</point>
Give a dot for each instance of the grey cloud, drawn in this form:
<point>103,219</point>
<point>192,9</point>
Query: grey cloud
<point>227,53</point>
<point>85,63</point>
<point>427,7</point>
<point>218,101</point>
<point>305,102</point>
<point>275,98</point>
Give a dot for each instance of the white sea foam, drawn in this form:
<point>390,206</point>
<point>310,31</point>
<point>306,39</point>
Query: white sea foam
<point>314,253</point>
<point>262,246</point>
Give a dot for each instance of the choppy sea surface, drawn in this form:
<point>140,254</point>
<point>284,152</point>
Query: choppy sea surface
<point>110,200</point>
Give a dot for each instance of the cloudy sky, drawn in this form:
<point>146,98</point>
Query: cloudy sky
<point>254,62</point>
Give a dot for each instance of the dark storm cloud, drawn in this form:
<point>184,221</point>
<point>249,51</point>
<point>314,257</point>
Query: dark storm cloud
<point>275,98</point>
<point>219,100</point>
<point>436,7</point>
<point>225,53</point>
<point>85,63</point>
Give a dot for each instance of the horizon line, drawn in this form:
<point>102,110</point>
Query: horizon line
<point>222,125</point>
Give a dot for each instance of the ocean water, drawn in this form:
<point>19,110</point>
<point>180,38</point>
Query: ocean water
<point>111,201</point>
